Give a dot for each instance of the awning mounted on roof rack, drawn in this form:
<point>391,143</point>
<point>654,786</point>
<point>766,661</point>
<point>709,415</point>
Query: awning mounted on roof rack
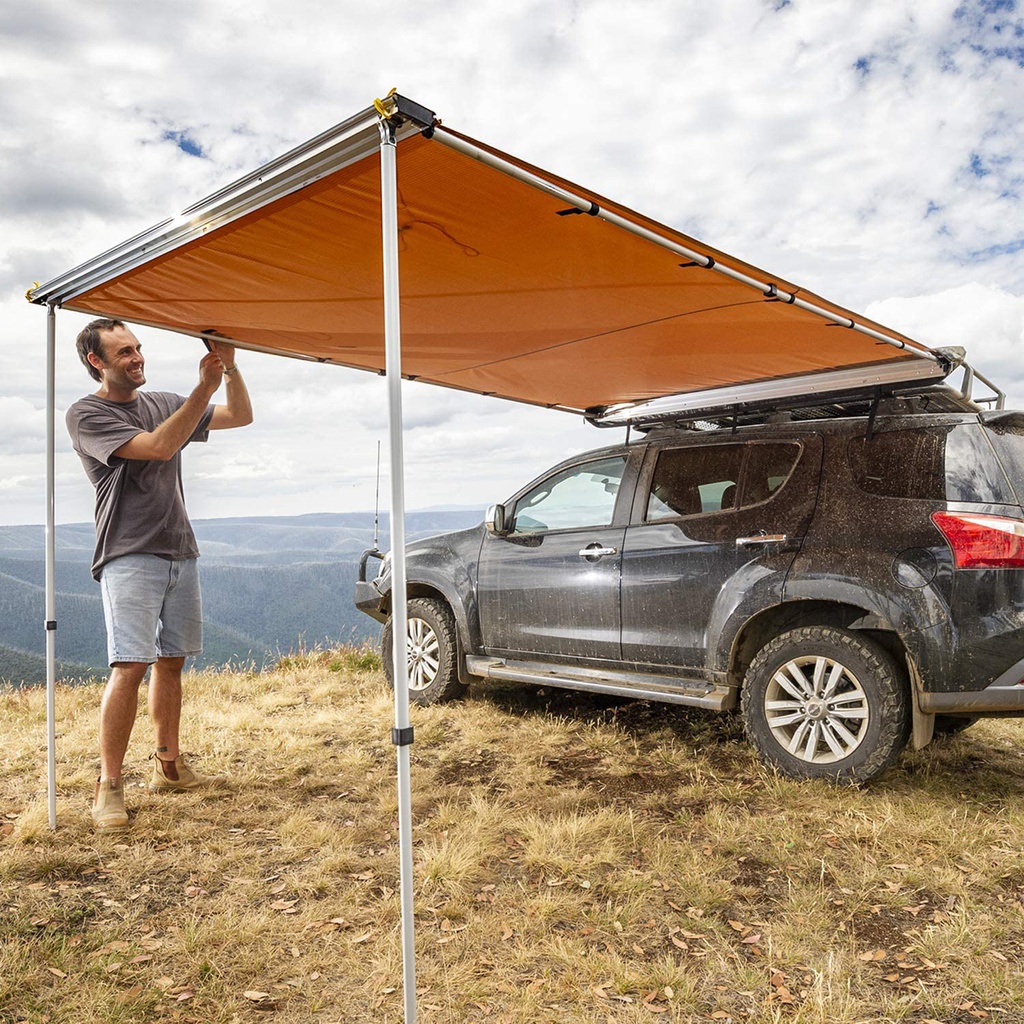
<point>775,392</point>
<point>862,383</point>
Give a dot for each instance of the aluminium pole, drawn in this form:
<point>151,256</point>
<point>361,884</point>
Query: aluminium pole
<point>50,613</point>
<point>402,733</point>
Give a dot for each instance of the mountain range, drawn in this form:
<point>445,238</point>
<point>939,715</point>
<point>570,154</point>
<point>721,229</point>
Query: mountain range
<point>271,585</point>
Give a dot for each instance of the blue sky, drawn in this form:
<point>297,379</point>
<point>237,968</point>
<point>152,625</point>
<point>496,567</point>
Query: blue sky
<point>872,152</point>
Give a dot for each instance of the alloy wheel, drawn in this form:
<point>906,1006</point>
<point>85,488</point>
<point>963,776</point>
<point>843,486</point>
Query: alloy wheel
<point>424,653</point>
<point>817,709</point>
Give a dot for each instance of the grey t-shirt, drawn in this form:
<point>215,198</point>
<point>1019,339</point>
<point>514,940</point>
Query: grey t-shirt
<point>140,504</point>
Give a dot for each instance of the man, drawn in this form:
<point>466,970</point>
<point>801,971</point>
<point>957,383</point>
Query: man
<point>130,443</point>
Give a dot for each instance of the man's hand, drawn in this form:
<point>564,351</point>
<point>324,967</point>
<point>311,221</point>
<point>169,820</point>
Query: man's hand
<point>225,352</point>
<point>211,372</point>
<point>237,411</point>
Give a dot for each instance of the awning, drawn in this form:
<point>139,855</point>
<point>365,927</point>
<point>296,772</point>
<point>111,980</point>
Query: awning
<point>514,282</point>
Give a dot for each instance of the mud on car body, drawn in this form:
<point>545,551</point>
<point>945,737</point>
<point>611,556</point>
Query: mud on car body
<point>848,583</point>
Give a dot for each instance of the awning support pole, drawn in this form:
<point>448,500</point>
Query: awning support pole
<point>402,735</point>
<point>50,613</point>
<point>767,288</point>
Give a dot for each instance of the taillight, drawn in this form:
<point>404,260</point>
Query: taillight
<point>981,541</point>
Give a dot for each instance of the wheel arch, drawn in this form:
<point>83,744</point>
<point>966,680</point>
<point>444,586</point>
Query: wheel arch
<point>770,622</point>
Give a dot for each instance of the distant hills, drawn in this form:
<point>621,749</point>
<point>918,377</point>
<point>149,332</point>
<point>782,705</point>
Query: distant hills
<point>271,584</point>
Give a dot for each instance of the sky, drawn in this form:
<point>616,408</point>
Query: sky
<point>869,151</point>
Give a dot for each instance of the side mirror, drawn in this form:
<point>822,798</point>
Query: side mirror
<point>494,520</point>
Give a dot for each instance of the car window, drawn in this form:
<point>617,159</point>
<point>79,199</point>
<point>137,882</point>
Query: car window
<point>691,481</point>
<point>707,478</point>
<point>574,498</point>
<point>1006,432</point>
<point>937,464</point>
<point>767,469</point>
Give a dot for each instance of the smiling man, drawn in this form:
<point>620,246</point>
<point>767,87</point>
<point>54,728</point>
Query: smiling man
<point>130,442</point>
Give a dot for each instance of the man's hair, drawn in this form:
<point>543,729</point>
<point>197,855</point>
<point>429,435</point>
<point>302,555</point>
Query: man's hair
<point>89,341</point>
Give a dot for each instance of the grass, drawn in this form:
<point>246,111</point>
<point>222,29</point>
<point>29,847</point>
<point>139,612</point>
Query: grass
<point>576,860</point>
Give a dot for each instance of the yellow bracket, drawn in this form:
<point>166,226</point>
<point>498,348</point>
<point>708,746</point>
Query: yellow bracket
<point>384,108</point>
<point>28,294</point>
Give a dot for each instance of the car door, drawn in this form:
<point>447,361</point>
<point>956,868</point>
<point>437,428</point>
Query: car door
<point>549,584</point>
<point>708,515</point>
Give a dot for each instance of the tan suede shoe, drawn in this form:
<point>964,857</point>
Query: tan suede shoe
<point>108,813</point>
<point>186,781</point>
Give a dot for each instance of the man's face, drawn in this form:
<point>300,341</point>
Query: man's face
<point>121,362</point>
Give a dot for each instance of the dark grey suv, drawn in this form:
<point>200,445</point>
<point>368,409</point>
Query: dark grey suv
<point>849,581</point>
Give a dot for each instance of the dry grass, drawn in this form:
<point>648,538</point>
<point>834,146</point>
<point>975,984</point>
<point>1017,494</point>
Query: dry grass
<point>575,860</point>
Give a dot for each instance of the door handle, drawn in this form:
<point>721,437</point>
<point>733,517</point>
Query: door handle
<point>762,538</point>
<point>595,551</point>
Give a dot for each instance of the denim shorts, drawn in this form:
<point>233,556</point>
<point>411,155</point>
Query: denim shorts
<point>152,607</point>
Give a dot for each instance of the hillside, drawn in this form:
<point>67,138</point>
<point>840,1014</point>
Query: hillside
<point>576,861</point>
<point>271,584</point>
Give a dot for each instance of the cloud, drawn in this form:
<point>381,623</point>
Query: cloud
<point>986,320</point>
<point>21,267</point>
<point>863,151</point>
<point>22,426</point>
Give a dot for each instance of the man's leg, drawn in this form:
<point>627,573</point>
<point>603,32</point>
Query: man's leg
<point>165,705</point>
<point>117,715</point>
<point>180,635</point>
<point>132,587</point>
<point>165,710</point>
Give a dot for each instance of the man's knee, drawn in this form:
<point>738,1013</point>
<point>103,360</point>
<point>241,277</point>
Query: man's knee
<point>128,673</point>
<point>169,666</point>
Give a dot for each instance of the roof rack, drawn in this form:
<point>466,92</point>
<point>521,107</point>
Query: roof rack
<point>918,385</point>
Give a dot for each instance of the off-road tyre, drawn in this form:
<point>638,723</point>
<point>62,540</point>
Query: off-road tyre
<point>431,644</point>
<point>821,702</point>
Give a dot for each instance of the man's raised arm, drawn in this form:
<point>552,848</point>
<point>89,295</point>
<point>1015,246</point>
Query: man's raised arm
<point>237,412</point>
<point>166,440</point>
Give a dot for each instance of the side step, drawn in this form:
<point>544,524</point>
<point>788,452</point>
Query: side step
<point>639,685</point>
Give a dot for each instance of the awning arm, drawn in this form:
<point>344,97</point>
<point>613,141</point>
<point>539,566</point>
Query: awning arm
<point>344,144</point>
<point>768,289</point>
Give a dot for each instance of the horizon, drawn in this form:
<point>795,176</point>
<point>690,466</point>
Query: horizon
<point>257,516</point>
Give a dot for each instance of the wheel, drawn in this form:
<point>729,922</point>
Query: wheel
<point>823,702</point>
<point>430,643</point>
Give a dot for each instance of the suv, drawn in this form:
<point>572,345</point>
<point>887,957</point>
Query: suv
<point>847,576</point>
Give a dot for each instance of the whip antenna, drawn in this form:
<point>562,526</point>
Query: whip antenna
<point>376,502</point>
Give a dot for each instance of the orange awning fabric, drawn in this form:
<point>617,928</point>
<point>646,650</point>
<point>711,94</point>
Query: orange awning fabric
<point>503,291</point>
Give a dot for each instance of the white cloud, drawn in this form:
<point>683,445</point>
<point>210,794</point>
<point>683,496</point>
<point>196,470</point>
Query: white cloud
<point>986,320</point>
<point>22,426</point>
<point>864,151</point>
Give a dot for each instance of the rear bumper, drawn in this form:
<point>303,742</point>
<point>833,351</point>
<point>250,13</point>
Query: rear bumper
<point>1005,696</point>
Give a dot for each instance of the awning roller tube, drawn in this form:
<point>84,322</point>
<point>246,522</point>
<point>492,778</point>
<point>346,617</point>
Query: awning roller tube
<point>905,371</point>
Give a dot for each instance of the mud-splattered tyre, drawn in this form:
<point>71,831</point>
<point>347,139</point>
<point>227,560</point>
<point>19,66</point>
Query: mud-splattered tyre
<point>431,650</point>
<point>827,703</point>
